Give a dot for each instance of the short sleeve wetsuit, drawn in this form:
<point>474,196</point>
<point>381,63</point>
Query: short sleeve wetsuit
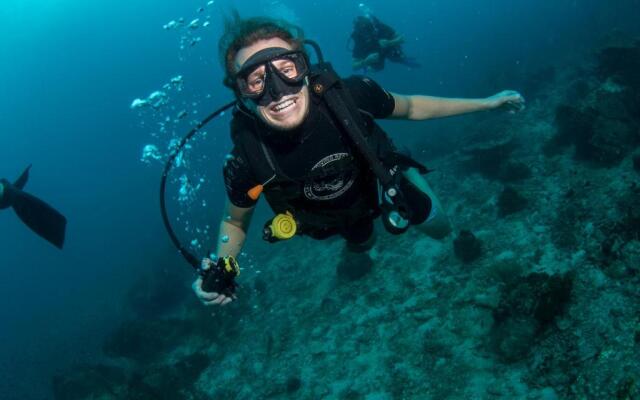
<point>317,143</point>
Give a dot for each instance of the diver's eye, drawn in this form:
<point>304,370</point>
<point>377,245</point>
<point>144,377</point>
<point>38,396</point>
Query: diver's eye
<point>287,68</point>
<point>255,83</point>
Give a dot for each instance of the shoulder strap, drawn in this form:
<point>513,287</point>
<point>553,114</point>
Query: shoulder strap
<point>329,86</point>
<point>246,140</point>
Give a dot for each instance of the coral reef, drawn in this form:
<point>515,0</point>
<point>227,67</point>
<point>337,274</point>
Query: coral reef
<point>603,122</point>
<point>544,304</point>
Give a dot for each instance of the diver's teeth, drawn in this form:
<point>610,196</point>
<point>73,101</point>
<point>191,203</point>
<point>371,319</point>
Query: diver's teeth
<point>284,105</point>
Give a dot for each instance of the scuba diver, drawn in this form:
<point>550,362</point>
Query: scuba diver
<point>35,213</point>
<point>308,141</point>
<point>374,42</point>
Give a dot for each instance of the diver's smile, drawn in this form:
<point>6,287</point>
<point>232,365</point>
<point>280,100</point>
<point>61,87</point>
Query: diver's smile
<point>284,106</point>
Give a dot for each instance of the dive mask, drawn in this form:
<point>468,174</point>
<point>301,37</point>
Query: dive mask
<point>271,74</point>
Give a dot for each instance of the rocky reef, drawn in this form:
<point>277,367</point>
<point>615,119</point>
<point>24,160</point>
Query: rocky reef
<point>536,297</point>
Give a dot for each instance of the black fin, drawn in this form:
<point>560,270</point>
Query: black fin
<point>40,217</point>
<point>22,180</point>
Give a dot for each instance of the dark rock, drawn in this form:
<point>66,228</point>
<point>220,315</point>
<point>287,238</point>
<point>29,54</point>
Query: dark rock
<point>578,90</point>
<point>611,141</point>
<point>354,266</point>
<point>602,136</point>
<point>527,307</point>
<point>489,161</point>
<point>293,384</point>
<point>513,171</point>
<point>636,162</point>
<point>329,306</point>
<point>89,381</point>
<point>510,201</point>
<point>573,126</point>
<point>607,246</point>
<point>467,247</point>
<point>620,64</point>
<point>627,389</point>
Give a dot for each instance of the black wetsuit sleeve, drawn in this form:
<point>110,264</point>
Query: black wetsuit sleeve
<point>238,179</point>
<point>370,97</point>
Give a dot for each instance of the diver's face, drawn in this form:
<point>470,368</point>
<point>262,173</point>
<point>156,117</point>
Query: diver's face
<point>282,114</point>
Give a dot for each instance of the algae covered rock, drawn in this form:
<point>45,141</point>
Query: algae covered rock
<point>467,246</point>
<point>622,64</point>
<point>494,161</point>
<point>510,202</point>
<point>528,306</point>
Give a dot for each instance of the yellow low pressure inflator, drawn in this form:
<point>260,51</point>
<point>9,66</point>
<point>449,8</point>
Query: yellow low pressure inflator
<point>281,227</point>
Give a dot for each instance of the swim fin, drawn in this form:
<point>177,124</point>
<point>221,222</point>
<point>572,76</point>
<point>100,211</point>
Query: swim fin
<point>22,180</point>
<point>33,212</point>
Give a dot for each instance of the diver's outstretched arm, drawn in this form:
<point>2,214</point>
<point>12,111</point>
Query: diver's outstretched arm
<point>231,238</point>
<point>418,107</point>
<point>386,43</point>
<point>371,59</point>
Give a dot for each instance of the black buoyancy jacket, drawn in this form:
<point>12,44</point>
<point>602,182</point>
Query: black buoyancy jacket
<point>280,191</point>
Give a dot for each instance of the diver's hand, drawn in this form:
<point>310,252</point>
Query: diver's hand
<point>209,298</point>
<point>509,99</point>
<point>372,58</point>
<point>386,43</point>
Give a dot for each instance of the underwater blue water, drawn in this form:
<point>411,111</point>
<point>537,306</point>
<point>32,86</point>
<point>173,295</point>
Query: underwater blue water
<point>70,69</point>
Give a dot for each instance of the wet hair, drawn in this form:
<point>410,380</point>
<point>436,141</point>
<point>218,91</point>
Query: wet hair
<point>240,33</point>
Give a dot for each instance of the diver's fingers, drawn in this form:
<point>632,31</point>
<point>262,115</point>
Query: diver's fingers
<point>227,301</point>
<point>202,295</point>
<point>206,263</point>
<point>221,298</point>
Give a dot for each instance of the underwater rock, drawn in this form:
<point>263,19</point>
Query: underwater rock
<point>621,64</point>
<point>490,161</point>
<point>510,202</point>
<point>514,171</point>
<point>602,133</point>
<point>146,340</point>
<point>572,127</point>
<point>354,266</point>
<point>636,162</point>
<point>89,382</point>
<point>467,247</point>
<point>627,228</point>
<point>611,141</point>
<point>329,306</point>
<point>527,307</point>
<point>293,384</point>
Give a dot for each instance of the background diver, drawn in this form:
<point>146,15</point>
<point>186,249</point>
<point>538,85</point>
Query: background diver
<point>33,212</point>
<point>289,148</point>
<point>374,42</point>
